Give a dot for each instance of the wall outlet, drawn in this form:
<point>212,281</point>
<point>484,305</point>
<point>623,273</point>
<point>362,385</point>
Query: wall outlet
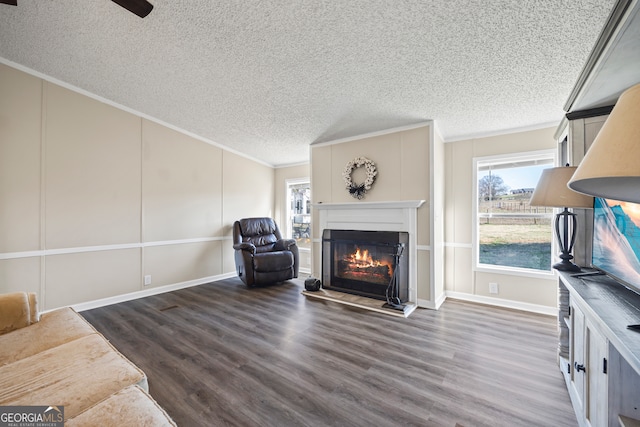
<point>147,280</point>
<point>493,288</point>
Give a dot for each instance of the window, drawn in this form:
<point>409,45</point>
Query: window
<point>509,233</point>
<point>299,212</point>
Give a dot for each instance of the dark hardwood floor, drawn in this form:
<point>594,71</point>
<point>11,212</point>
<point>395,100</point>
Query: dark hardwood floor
<point>223,354</point>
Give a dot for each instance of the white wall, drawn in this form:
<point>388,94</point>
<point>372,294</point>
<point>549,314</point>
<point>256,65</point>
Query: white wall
<point>406,161</point>
<point>94,198</point>
<point>532,293</point>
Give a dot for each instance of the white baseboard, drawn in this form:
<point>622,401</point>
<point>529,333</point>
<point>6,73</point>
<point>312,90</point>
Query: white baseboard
<point>433,305</point>
<point>89,305</point>
<point>440,300</point>
<point>516,305</point>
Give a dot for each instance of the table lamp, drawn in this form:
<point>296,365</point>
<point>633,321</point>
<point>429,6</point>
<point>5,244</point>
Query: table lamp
<point>552,191</point>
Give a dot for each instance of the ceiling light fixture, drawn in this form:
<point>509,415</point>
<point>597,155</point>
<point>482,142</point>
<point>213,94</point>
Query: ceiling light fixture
<point>140,7</point>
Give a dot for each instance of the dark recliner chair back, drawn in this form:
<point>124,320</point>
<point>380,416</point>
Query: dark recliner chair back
<point>263,233</point>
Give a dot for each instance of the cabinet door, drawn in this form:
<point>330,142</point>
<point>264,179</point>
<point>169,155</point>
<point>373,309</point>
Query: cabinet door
<point>578,363</point>
<point>597,354</point>
<point>624,388</point>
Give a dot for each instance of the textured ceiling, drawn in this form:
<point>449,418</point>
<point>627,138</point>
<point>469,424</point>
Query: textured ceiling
<point>269,78</point>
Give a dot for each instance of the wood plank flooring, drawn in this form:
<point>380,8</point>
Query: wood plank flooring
<point>222,354</point>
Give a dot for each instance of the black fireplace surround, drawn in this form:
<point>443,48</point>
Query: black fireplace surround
<point>362,262</point>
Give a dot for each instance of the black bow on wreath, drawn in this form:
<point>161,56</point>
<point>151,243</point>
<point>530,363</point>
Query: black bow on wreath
<point>358,190</point>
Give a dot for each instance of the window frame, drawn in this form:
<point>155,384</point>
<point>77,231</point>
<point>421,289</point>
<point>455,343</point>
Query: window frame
<point>288,230</point>
<point>475,245</point>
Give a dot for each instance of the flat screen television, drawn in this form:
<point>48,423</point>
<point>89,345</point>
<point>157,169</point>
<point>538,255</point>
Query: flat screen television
<point>616,240</point>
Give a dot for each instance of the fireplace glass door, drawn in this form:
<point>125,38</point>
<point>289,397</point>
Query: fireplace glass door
<point>364,262</point>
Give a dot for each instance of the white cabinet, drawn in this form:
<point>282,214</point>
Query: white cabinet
<point>602,364</point>
<point>624,391</point>
<point>596,350</point>
<point>588,370</point>
<point>577,367</point>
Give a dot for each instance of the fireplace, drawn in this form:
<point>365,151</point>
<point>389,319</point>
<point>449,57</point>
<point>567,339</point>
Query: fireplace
<point>395,216</point>
<point>367,263</point>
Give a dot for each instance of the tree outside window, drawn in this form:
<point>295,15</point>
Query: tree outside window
<point>491,186</point>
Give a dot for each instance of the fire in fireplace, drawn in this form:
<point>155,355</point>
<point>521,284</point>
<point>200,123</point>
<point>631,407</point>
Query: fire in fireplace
<point>363,263</point>
<point>360,265</point>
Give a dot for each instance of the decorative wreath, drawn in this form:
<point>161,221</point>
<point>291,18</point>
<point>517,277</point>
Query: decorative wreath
<point>358,190</point>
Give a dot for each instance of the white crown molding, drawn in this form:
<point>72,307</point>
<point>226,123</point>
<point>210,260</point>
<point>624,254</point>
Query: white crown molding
<point>489,134</point>
<point>292,165</point>
<point>373,134</point>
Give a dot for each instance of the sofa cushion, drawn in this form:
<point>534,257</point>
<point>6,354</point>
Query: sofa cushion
<point>19,309</point>
<point>76,375</point>
<point>54,328</point>
<point>131,406</point>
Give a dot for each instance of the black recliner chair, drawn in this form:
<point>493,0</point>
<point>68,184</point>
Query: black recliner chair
<point>262,256</point>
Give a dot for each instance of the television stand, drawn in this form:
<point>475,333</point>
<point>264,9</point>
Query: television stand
<point>634,327</point>
<point>589,273</point>
<point>598,355</point>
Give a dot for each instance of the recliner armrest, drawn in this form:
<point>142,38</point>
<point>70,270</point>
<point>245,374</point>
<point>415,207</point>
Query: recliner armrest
<point>244,246</point>
<point>284,244</point>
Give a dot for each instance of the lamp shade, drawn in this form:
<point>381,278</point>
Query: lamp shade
<point>552,190</point>
<point>611,167</point>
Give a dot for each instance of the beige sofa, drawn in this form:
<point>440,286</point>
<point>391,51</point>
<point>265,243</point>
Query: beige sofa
<point>59,359</point>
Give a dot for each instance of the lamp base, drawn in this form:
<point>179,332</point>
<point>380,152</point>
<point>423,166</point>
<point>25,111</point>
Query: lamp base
<point>566,240</point>
<point>566,265</point>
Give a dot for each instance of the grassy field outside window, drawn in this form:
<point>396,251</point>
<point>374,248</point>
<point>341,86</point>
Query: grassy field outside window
<point>515,242</point>
<point>511,233</point>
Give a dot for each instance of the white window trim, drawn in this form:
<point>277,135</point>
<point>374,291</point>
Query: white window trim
<point>497,159</point>
<point>287,183</point>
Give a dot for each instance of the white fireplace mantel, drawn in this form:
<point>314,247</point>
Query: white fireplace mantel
<point>404,204</point>
<point>377,216</point>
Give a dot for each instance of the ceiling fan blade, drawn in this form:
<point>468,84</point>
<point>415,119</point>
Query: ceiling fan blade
<point>11,2</point>
<point>139,7</point>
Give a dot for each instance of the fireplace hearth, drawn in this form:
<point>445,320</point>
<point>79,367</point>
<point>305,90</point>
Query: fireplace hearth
<point>366,263</point>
